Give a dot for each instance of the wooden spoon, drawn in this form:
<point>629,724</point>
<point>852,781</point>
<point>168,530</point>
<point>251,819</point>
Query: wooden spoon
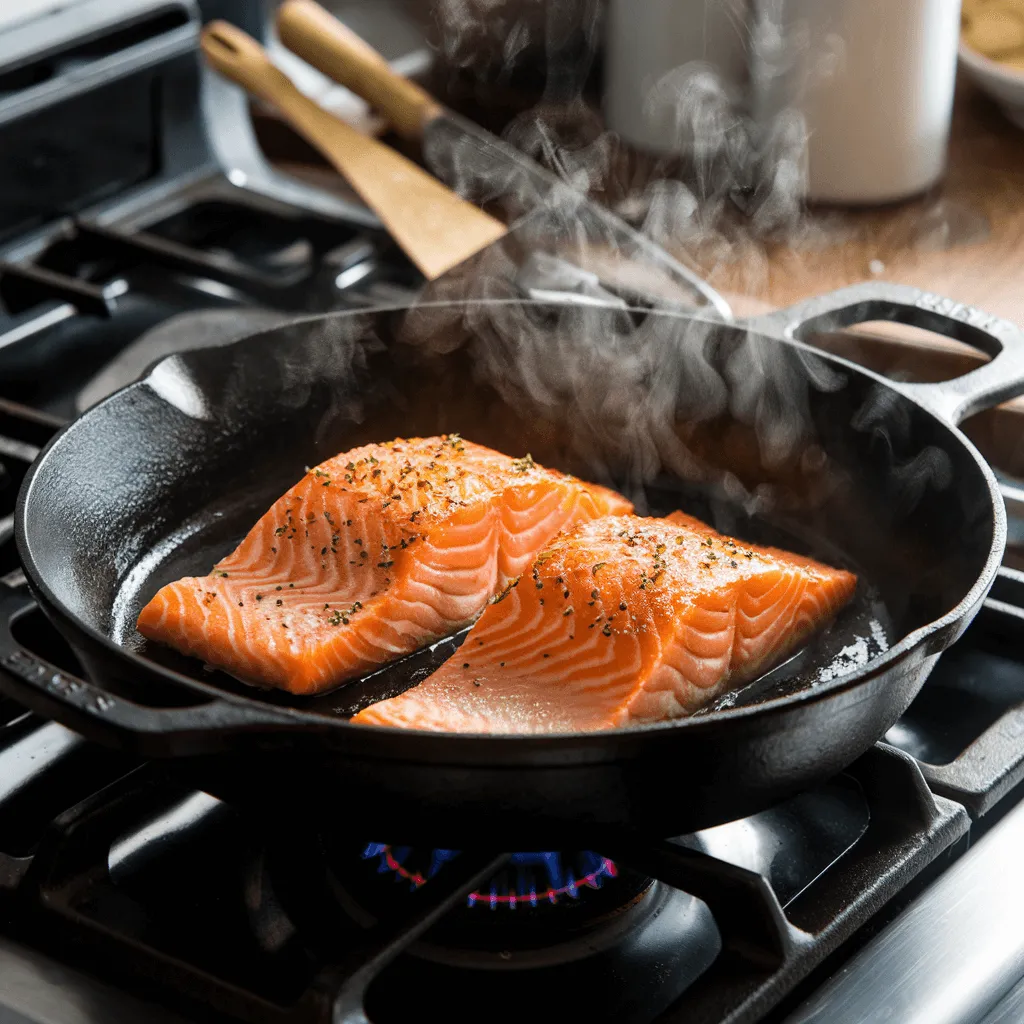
<point>434,227</point>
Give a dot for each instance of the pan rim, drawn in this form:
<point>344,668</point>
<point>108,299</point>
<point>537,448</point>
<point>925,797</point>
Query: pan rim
<point>553,743</point>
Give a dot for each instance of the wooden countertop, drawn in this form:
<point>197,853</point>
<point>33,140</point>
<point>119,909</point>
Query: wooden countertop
<point>964,239</point>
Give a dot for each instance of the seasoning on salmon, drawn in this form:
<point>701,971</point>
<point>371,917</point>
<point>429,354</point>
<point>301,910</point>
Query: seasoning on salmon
<point>374,553</point>
<point>621,621</point>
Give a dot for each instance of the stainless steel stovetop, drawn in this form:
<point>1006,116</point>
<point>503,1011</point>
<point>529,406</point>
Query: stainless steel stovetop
<point>890,893</point>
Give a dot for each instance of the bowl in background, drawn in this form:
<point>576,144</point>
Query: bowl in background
<point>1003,82</point>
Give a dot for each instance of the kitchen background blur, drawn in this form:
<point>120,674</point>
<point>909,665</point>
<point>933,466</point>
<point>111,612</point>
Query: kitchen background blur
<point>781,148</point>
<point>707,122</point>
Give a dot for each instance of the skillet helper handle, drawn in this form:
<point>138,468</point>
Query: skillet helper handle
<point>952,401</point>
<point>108,718</point>
<point>321,40</point>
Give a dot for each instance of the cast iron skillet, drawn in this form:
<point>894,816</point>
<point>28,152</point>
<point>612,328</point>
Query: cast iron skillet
<point>743,424</point>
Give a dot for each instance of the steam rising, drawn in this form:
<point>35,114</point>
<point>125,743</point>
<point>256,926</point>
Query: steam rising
<point>619,384</point>
<point>627,379</point>
<point>742,176</point>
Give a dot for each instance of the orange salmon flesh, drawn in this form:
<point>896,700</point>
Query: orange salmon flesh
<point>624,620</point>
<point>373,554</point>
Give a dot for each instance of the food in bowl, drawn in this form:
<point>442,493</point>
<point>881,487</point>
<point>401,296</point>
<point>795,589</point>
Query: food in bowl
<point>995,29</point>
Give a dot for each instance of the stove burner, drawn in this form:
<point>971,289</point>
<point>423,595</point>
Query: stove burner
<point>530,878</point>
<point>622,955</point>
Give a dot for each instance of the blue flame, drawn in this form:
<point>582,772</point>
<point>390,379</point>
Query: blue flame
<point>532,877</point>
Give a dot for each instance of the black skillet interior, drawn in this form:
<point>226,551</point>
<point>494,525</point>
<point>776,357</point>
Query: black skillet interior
<point>755,435</point>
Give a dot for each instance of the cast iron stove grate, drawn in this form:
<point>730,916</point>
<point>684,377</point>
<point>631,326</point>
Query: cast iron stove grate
<point>965,726</point>
<point>176,890</point>
<point>93,289</point>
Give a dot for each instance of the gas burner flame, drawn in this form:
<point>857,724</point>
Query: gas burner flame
<point>529,878</point>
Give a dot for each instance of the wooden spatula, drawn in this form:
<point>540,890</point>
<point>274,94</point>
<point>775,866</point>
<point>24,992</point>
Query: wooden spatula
<point>433,226</point>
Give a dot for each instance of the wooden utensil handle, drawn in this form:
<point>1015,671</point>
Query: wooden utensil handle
<point>321,40</point>
<point>242,59</point>
<point>435,227</point>
<point>239,57</point>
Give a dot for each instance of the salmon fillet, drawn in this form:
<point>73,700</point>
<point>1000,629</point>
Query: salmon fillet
<point>621,621</point>
<point>374,553</point>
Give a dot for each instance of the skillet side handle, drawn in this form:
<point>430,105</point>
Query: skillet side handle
<point>112,720</point>
<point>954,400</point>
